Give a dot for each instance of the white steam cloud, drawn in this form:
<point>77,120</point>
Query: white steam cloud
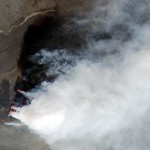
<point>102,104</point>
<point>58,61</point>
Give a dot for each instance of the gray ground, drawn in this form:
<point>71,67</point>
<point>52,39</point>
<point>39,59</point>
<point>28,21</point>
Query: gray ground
<point>20,138</point>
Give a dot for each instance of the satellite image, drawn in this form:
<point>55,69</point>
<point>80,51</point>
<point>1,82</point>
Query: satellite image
<point>74,75</point>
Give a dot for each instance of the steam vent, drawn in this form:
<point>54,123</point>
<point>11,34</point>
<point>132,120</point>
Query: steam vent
<point>74,75</point>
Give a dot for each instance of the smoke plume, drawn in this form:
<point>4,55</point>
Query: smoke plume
<point>99,98</point>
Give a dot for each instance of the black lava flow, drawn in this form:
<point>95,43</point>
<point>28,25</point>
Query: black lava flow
<point>53,32</point>
<point>50,33</point>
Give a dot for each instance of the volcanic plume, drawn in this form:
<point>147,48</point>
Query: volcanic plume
<point>87,74</point>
